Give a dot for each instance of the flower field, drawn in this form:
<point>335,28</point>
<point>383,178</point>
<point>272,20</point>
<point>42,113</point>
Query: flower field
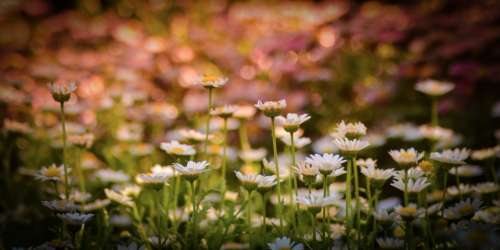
<point>249,125</point>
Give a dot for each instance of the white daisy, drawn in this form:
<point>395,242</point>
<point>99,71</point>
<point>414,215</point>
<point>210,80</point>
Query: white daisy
<point>119,197</point>
<point>225,111</point>
<point>406,157</point>
<point>176,148</point>
<point>467,171</point>
<point>60,205</point>
<point>485,188</point>
<point>212,81</point>
<point>436,133</point>
<point>462,208</point>
<point>51,173</point>
<point>284,243</point>
<point>192,169</point>
<point>451,156</point>
<point>434,88</point>
<point>253,181</point>
<point>108,175</point>
<point>390,243</point>
<point>315,201</point>
<point>485,153</point>
<point>291,122</point>
<point>62,92</point>
<point>253,155</point>
<point>377,174</point>
<point>193,136</point>
<point>349,130</point>
<point>244,112</point>
<point>154,180</point>
<point>413,186</point>
<point>350,147</point>
<point>327,163</point>
<point>75,218</point>
<point>271,108</point>
<point>298,141</point>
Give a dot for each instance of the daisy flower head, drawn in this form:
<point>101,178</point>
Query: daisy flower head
<point>284,243</point>
<point>224,112</point>
<point>51,173</point>
<point>390,243</point>
<point>61,92</point>
<point>435,133</point>
<point>349,130</point>
<point>350,147</point>
<point>406,157</point>
<point>254,181</point>
<point>326,163</point>
<point>377,175</point>
<point>212,81</point>
<point>386,217</point>
<point>467,171</point>
<point>315,202</point>
<point>176,148</point>
<point>298,140</point>
<point>462,209</point>
<point>291,122</point>
<point>75,218</point>
<point>455,156</point>
<point>119,197</point>
<point>192,136</point>
<point>253,155</point>
<point>61,206</point>
<point>485,153</point>
<point>153,180</point>
<point>244,112</point>
<point>408,213</point>
<point>412,186</point>
<point>367,162</point>
<point>434,88</point>
<point>307,171</point>
<point>271,108</point>
<point>486,188</point>
<point>83,141</point>
<point>192,169</point>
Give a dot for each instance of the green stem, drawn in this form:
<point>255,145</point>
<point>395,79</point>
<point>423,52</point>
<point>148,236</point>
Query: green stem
<point>358,204</point>
<point>348,196</point>
<point>277,168</point>
<point>406,187</point>
<point>207,126</point>
<point>176,197</point>
<point>63,121</point>
<point>78,168</point>
<point>245,145</point>
<point>224,146</point>
<point>249,218</point>
<point>457,180</point>
<point>195,214</point>
<point>444,188</point>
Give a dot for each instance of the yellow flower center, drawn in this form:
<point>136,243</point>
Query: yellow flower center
<point>408,211</point>
<point>177,150</point>
<point>52,172</point>
<point>207,78</point>
<point>407,156</point>
<point>466,209</point>
<point>285,248</point>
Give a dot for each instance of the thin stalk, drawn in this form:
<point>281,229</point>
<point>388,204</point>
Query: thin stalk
<point>245,145</point>
<point>249,218</point>
<point>263,212</point>
<point>63,121</point>
<point>292,182</point>
<point>277,168</point>
<point>444,188</point>
<point>78,168</point>
<point>348,196</point>
<point>176,197</point>
<point>207,126</point>
<point>358,204</point>
<point>406,187</point>
<point>195,213</point>
<point>224,146</point>
<point>457,180</point>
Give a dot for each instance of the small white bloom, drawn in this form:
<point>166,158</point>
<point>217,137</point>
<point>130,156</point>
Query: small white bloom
<point>253,154</point>
<point>51,173</point>
<point>108,175</point>
<point>176,148</point>
<point>244,112</point>
<point>462,208</point>
<point>436,133</point>
<point>60,205</point>
<point>349,130</point>
<point>62,92</point>
<point>192,168</point>
<point>348,146</point>
<point>467,171</point>
<point>298,141</point>
<point>390,243</point>
<point>212,81</point>
<point>284,243</point>
<point>434,88</point>
<point>406,156</point>
<point>377,174</point>
<point>485,153</point>
<point>271,108</point>
<point>75,218</point>
<point>413,186</point>
<point>485,188</point>
<point>225,111</point>
<point>291,122</point>
<point>119,197</point>
<point>451,156</point>
<point>315,200</point>
<point>327,163</point>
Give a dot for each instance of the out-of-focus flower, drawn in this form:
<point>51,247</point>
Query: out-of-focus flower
<point>390,243</point>
<point>176,148</point>
<point>376,174</point>
<point>350,147</point>
<point>252,155</point>
<point>485,153</point>
<point>253,181</point>
<point>298,141</point>
<point>467,171</point>
<point>486,188</point>
<point>193,136</point>
<point>244,112</point>
<point>434,88</point>
<point>96,205</point>
<point>62,92</point>
<point>271,108</point>
<point>119,197</point>
<point>451,156</point>
<point>212,81</point>
<point>154,180</point>
<point>408,213</point>
<point>327,163</point>
<point>192,169</point>
<point>108,175</point>
<point>84,140</point>
<point>406,157</point>
<point>17,127</point>
<point>307,171</point>
<point>412,186</point>
<point>285,243</point>
<point>75,218</point>
<point>315,202</point>
<point>51,173</point>
<point>291,122</point>
<point>131,246</point>
<point>225,111</point>
<point>435,133</point>
<point>349,130</point>
<point>60,205</point>
<point>462,208</point>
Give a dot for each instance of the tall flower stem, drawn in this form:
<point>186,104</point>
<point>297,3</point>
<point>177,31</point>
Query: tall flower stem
<point>457,180</point>
<point>207,126</point>
<point>176,197</point>
<point>444,188</point>
<point>78,168</point>
<point>348,196</point>
<point>356,192</point>
<point>263,196</point>
<point>406,187</point>
<point>292,180</point>
<point>63,121</point>
<point>434,112</point>
<point>277,168</point>
<point>249,217</point>
<point>195,214</point>
<point>325,193</point>
<point>224,158</point>
<point>245,145</point>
